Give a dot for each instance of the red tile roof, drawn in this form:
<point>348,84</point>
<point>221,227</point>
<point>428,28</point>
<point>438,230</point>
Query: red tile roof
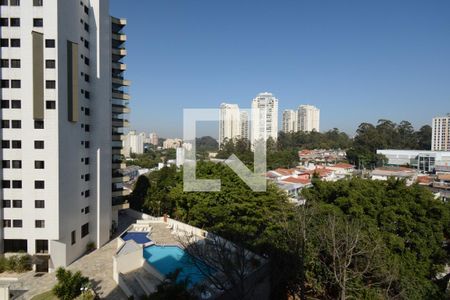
<point>297,180</point>
<point>344,166</point>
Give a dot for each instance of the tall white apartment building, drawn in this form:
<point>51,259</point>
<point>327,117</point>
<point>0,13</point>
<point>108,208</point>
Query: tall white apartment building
<point>440,140</point>
<point>244,123</point>
<point>229,122</point>
<point>308,118</point>
<point>264,117</point>
<point>133,143</point>
<point>290,123</point>
<point>60,101</point>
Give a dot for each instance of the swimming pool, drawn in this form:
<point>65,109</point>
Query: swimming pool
<point>166,259</point>
<point>138,237</point>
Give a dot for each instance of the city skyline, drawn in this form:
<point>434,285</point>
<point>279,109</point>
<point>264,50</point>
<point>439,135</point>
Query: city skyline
<point>200,60</point>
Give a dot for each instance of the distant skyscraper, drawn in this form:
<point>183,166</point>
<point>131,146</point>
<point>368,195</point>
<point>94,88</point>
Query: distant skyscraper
<point>134,143</point>
<point>264,117</point>
<point>308,118</point>
<point>244,125</point>
<point>290,123</point>
<point>229,122</point>
<point>440,140</point>
<point>154,139</point>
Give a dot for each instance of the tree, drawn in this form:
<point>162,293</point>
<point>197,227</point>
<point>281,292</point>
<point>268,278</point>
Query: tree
<point>69,284</point>
<point>171,288</point>
<point>139,193</point>
<point>424,137</point>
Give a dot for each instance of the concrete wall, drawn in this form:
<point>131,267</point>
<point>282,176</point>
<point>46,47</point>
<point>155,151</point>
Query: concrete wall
<point>124,263</point>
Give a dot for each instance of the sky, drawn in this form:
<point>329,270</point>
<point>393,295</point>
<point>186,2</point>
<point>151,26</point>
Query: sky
<point>356,60</point>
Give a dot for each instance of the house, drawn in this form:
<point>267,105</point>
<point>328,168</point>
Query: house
<point>383,173</point>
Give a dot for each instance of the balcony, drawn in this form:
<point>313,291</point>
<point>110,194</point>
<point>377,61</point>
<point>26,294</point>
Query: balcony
<point>120,81</point>
<point>120,123</point>
<point>119,21</point>
<point>118,166</point>
<point>121,95</point>
<point>119,37</point>
<point>120,192</point>
<point>119,66</point>
<point>118,151</point>
<point>119,51</point>
<point>120,109</point>
<point>120,179</point>
<point>117,137</point>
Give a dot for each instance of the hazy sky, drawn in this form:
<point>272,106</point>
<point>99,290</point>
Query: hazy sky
<point>356,60</point>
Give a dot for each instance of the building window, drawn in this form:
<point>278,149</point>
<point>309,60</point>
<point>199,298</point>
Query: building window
<point>4,104</point>
<point>87,111</point>
<point>38,124</point>
<point>6,184</point>
<point>16,124</point>
<point>6,164</point>
<point>84,230</point>
<point>86,210</point>
<point>4,63</point>
<point>14,2</point>
<point>17,184</point>
<point>39,204</point>
<point>86,161</point>
<point>50,84</point>
<point>86,44</point>
<point>15,43</point>
<point>87,128</point>
<point>38,2</point>
<point>86,61</point>
<point>6,203</point>
<point>87,95</point>
<point>16,144</point>
<point>73,237</point>
<point>86,9</point>
<point>4,42</point>
<point>15,84</point>
<point>86,77</point>
<point>39,164</point>
<point>49,43</point>
<point>16,104</point>
<point>6,223</point>
<point>39,223</point>
<point>50,63</point>
<point>49,104</point>
<point>14,22</point>
<point>38,144</point>
<point>5,144</point>
<point>86,144</point>
<point>87,193</point>
<point>3,2</point>
<point>39,184</point>
<point>86,27</point>
<point>87,177</point>
<point>15,63</point>
<point>5,83</point>
<point>4,22</point>
<point>5,123</point>
<point>17,164</point>
<point>17,223</point>
<point>17,203</point>
<point>38,22</point>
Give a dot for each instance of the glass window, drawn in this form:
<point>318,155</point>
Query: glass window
<point>5,144</point>
<point>6,223</point>
<point>73,237</point>
<point>14,22</point>
<point>5,104</point>
<point>16,104</point>
<point>39,164</point>
<point>49,104</point>
<point>39,223</point>
<point>4,22</point>
<point>5,123</point>
<point>39,204</point>
<point>15,84</point>
<point>38,2</point>
<point>16,124</point>
<point>39,184</point>
<point>17,184</point>
<point>6,184</point>
<point>17,223</point>
<point>3,2</point>
<point>85,230</point>
<point>17,203</point>
<point>50,84</point>
<point>6,164</point>
<point>38,144</point>
<point>17,164</point>
<point>4,43</point>
<point>38,124</point>
<point>14,2</point>
<point>49,43</point>
<point>16,144</point>
<point>15,63</point>
<point>15,43</point>
<point>5,83</point>
<point>4,63</point>
<point>38,22</point>
<point>50,64</point>
<point>6,203</point>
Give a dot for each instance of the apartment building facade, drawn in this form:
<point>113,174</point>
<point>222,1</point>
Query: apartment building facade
<point>440,140</point>
<point>229,122</point>
<point>290,123</point>
<point>264,118</point>
<point>308,118</point>
<point>58,109</point>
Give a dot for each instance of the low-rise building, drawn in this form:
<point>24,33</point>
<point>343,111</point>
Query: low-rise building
<point>383,173</point>
<point>422,160</point>
<point>172,143</point>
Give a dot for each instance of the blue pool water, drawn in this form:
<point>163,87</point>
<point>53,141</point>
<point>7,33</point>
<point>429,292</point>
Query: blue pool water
<point>166,259</point>
<point>138,237</point>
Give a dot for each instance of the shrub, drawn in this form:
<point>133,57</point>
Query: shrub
<point>90,246</point>
<point>69,284</point>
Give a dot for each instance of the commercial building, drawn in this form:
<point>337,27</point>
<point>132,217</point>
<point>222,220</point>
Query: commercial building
<point>264,117</point>
<point>229,122</point>
<point>290,123</point>
<point>60,101</point>
<point>308,118</point>
<point>422,160</point>
<point>133,143</point>
<point>440,140</point>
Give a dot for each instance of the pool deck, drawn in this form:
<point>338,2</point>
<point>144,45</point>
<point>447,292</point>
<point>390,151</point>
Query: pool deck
<point>162,235</point>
